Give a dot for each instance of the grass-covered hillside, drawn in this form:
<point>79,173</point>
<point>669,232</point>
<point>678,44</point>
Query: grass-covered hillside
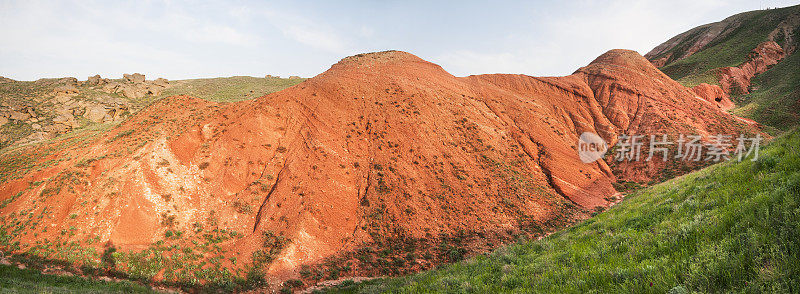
<point>775,100</point>
<point>15,280</point>
<point>229,89</point>
<point>729,48</point>
<point>732,227</point>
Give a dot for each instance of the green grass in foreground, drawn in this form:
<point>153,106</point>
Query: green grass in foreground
<point>14,280</point>
<point>732,227</point>
<point>229,89</point>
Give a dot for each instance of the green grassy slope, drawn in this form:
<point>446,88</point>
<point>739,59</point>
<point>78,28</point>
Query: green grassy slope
<point>776,100</point>
<point>730,50</point>
<point>732,227</point>
<point>14,280</point>
<point>229,89</point>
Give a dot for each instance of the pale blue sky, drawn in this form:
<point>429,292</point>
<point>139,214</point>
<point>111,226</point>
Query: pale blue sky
<point>178,39</point>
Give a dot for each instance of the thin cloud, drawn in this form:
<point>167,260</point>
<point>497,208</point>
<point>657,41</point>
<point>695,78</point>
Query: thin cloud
<point>307,32</point>
<point>178,39</point>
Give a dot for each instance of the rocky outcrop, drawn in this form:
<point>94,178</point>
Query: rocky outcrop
<point>715,95</point>
<point>736,80</point>
<point>66,90</point>
<point>106,109</point>
<point>69,81</point>
<point>5,80</point>
<point>95,80</point>
<point>95,113</point>
<point>67,120</point>
<point>161,82</point>
<point>135,86</point>
<point>134,78</point>
<point>104,113</point>
<point>57,106</point>
<point>19,115</point>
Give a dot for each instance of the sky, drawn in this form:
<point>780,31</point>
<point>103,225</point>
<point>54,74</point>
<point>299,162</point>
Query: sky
<point>196,39</point>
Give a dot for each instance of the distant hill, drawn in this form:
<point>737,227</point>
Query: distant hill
<point>763,89</point>
<point>229,89</point>
<point>35,111</point>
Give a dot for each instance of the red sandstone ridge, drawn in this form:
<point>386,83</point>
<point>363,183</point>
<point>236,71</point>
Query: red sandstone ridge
<point>737,79</point>
<point>715,95</point>
<point>382,151</point>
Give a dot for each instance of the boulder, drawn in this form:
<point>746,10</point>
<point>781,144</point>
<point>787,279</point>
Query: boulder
<point>154,90</point>
<point>57,129</point>
<point>61,124</point>
<point>95,113</point>
<point>66,120</point>
<point>68,89</point>
<point>78,111</point>
<point>69,81</point>
<point>96,80</point>
<point>3,121</point>
<point>16,115</point>
<point>161,82</point>
<point>38,136</point>
<point>134,78</point>
<point>115,114</point>
<point>133,91</point>
<point>99,113</point>
<point>63,99</point>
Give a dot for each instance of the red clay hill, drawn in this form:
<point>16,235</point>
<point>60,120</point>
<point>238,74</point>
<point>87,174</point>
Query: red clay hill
<point>383,157</point>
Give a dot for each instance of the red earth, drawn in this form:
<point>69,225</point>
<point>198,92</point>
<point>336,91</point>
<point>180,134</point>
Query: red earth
<point>383,150</point>
<point>715,95</point>
<point>737,79</point>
